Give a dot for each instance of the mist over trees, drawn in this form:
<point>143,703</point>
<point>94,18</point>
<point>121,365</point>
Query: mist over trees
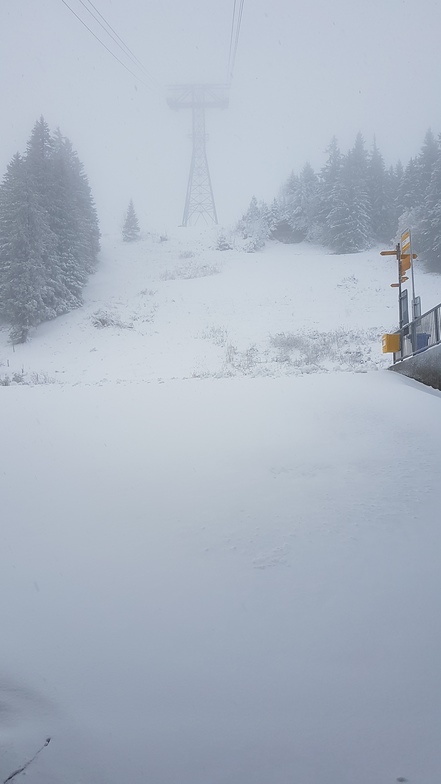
<point>355,202</point>
<point>49,233</point>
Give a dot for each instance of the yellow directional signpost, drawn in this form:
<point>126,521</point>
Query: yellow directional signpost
<point>404,256</point>
<point>407,256</point>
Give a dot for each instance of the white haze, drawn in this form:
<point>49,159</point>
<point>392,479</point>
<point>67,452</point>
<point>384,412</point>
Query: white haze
<point>303,73</point>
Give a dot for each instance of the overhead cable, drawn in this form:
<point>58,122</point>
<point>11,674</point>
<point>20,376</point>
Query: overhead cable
<point>105,46</point>
<point>235,33</point>
<point>117,38</point>
<point>231,40</point>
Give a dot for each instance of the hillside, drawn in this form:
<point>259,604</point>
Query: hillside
<point>220,531</point>
<point>181,309</point>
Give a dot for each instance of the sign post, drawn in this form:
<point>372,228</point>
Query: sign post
<point>403,254</point>
<point>406,250</point>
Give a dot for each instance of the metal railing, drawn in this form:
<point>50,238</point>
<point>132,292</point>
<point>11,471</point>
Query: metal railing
<point>419,334</point>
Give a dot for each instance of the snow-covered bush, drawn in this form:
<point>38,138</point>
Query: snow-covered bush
<point>191,271</point>
<point>222,243</point>
<point>105,318</point>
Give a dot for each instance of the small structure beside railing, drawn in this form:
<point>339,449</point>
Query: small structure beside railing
<point>420,334</point>
<point>417,332</point>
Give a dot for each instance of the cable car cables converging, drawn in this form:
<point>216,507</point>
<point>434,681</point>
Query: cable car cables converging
<point>234,37</point>
<point>113,35</point>
<point>137,69</point>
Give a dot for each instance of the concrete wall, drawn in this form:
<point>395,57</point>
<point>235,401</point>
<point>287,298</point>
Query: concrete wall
<point>424,367</point>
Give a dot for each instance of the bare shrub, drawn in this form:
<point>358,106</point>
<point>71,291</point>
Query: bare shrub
<point>191,271</point>
<point>26,379</point>
<point>243,361</point>
<point>105,318</point>
<point>343,347</point>
<point>217,335</point>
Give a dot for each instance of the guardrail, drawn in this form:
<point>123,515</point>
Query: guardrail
<point>419,334</point>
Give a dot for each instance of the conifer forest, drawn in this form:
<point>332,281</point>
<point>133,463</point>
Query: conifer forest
<point>355,202</point>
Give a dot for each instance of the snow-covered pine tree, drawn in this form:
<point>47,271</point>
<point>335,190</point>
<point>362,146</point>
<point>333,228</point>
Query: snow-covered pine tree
<point>49,235</point>
<point>349,222</point>
<point>428,230</point>
<point>27,252</point>
<point>419,195</point>
<point>409,191</point>
<point>253,226</point>
<point>83,209</point>
<point>131,226</point>
<point>328,178</point>
<point>409,204</point>
<point>379,204</point>
<point>298,205</point>
<point>289,202</point>
<point>394,176</point>
<point>278,224</point>
<point>73,261</point>
<point>309,203</point>
<point>39,163</point>
<point>426,163</point>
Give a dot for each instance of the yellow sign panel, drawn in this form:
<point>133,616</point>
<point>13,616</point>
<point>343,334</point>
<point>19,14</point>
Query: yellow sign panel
<point>391,344</point>
<point>405,241</point>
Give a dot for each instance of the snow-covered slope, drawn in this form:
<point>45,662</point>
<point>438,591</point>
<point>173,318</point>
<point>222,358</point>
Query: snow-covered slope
<point>219,555</point>
<point>181,309</point>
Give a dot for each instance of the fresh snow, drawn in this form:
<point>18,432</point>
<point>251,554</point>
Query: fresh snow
<point>220,540</point>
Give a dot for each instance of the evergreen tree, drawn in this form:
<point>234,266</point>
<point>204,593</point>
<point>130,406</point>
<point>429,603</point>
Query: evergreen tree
<point>131,225</point>
<point>328,179</point>
<point>349,221</point>
<point>393,186</point>
<point>426,163</point>
<point>49,235</point>
<point>299,202</point>
<point>289,201</point>
<point>279,227</point>
<point>27,248</point>
<point>253,225</point>
<point>305,206</point>
<point>39,163</point>
<point>410,194</point>
<point>379,204</point>
<point>70,226</point>
<point>355,201</point>
<point>428,230</point>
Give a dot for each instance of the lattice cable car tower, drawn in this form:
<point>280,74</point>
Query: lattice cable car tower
<point>199,201</point>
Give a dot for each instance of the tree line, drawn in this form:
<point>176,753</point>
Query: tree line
<point>49,232</point>
<point>355,202</point>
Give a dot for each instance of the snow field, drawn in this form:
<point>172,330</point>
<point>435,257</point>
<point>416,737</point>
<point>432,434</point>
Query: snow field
<point>226,579</point>
<point>180,309</point>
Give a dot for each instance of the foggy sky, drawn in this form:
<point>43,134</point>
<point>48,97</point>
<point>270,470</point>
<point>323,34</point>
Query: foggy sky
<point>304,72</point>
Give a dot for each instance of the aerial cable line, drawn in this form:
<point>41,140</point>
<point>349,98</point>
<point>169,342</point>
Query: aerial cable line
<point>235,33</point>
<point>120,41</point>
<point>104,45</point>
<point>231,41</point>
<point>123,48</point>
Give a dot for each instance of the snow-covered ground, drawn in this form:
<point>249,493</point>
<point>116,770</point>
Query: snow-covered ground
<point>220,553</point>
<point>181,309</point>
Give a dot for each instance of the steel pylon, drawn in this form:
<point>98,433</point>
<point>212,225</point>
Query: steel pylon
<point>199,201</point>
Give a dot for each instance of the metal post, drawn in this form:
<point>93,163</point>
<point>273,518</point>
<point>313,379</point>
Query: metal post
<point>414,313</point>
<point>437,323</point>
<point>400,310</point>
